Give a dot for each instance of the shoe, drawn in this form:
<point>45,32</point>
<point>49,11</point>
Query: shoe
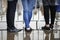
<point>28,30</point>
<point>45,28</point>
<point>13,30</point>
<point>51,26</point>
<point>38,7</point>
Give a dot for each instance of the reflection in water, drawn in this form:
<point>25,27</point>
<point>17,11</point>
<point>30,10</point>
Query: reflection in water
<point>49,35</point>
<point>50,32</point>
<point>27,36</point>
<point>10,36</point>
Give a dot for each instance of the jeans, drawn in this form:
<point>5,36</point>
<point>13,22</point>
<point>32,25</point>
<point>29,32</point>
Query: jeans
<point>58,6</point>
<point>58,1</point>
<point>28,6</point>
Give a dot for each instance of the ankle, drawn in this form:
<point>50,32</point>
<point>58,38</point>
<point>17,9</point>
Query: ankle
<point>28,28</point>
<point>47,25</point>
<point>51,24</point>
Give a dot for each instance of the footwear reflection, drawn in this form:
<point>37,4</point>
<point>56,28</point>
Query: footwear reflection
<point>49,35</point>
<point>10,35</point>
<point>27,36</point>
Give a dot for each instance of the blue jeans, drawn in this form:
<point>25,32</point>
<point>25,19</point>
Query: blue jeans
<point>58,1</point>
<point>58,6</point>
<point>28,6</point>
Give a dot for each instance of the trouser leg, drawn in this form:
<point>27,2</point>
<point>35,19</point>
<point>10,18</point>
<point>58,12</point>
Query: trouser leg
<point>46,14</point>
<point>25,12</point>
<point>31,7</point>
<point>53,13</point>
<point>11,13</point>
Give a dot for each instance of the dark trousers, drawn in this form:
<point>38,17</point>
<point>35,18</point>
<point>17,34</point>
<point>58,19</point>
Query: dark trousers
<point>11,13</point>
<point>46,13</point>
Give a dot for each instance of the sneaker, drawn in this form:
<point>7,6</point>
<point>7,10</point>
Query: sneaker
<point>28,30</point>
<point>45,28</point>
<point>51,26</point>
<point>13,30</point>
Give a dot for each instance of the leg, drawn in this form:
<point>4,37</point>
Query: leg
<point>30,16</point>
<point>25,13</point>
<point>11,15</point>
<point>46,17</point>
<point>53,13</point>
<point>26,19</point>
<point>31,7</point>
<point>46,14</point>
